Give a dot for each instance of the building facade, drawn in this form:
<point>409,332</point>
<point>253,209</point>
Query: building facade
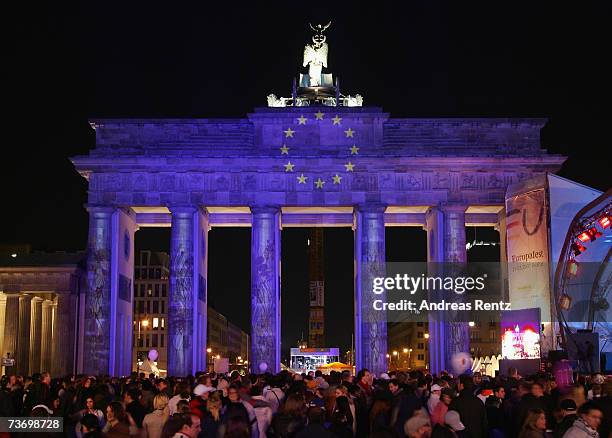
<point>42,305</point>
<point>152,280</point>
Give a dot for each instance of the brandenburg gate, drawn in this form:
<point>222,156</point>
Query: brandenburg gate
<point>316,159</point>
<point>286,167</point>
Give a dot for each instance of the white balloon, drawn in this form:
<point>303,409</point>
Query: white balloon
<point>461,362</point>
<point>153,355</point>
<point>263,367</point>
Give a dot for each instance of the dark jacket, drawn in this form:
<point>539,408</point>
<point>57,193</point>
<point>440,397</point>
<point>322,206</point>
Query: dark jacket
<point>495,413</point>
<point>284,426</point>
<point>564,425</point>
<point>528,403</point>
<point>404,405</point>
<point>472,413</point>
<point>137,411</point>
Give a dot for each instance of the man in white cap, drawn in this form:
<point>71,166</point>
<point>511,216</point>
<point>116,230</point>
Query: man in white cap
<point>418,427</point>
<point>434,397</point>
<point>197,405</point>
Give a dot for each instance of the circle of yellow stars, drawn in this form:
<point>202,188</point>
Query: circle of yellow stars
<point>319,183</point>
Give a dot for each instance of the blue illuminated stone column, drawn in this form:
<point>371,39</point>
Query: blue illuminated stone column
<point>265,289</point>
<point>180,301</point>
<point>445,225</point>
<point>370,325</point>
<point>96,352</point>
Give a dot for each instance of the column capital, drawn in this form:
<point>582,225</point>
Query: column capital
<point>265,209</point>
<point>452,207</point>
<point>371,207</point>
<point>100,210</point>
<point>182,209</point>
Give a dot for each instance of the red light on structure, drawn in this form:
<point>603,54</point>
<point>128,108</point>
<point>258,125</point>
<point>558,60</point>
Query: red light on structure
<point>584,236</point>
<point>572,267</point>
<point>594,233</point>
<point>578,248</point>
<point>604,221</point>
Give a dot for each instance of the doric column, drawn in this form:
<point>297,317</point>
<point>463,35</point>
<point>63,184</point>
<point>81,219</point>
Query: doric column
<point>62,327</point>
<point>2,314</point>
<point>46,336</point>
<point>11,329</point>
<point>96,352</point>
<point>446,251</point>
<point>370,324</point>
<point>180,303</point>
<point>23,344</point>
<point>265,289</point>
<point>35,334</point>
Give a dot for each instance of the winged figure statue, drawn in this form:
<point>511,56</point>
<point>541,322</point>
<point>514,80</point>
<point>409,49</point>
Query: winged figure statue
<point>315,55</point>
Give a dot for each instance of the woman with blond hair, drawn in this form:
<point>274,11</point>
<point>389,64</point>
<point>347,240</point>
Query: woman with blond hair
<point>153,423</point>
<point>534,425</point>
<point>212,419</point>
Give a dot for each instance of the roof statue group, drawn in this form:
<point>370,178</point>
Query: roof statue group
<point>316,87</point>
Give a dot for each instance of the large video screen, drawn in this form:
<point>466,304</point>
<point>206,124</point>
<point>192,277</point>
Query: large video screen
<point>520,334</point>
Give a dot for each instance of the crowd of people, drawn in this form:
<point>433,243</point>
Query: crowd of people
<point>398,404</point>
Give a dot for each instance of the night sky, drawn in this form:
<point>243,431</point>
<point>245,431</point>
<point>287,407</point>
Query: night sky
<point>68,63</point>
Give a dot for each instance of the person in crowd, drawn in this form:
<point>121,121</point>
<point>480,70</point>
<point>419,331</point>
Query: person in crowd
<point>380,414</point>
<point>153,423</point>
<point>568,411</point>
<point>588,422</point>
<point>236,407</point>
<point>532,401</point>
<point>117,421</point>
<point>237,427</point>
<point>434,397</point>
<point>364,380</point>
<point>342,419</point>
<point>478,382</point>
<point>91,410</point>
<point>90,426</point>
<point>133,407</point>
<point>495,412</point>
<point>290,419</point>
<point>471,410</point>
<point>183,392</point>
<point>263,411</point>
<point>405,404</point>
<point>274,395</point>
<point>454,424</point>
<point>418,426</point>
<point>315,427</point>
<point>197,404</point>
<point>534,425</point>
<point>161,385</point>
<point>213,418</point>
<point>437,416</point>
<point>188,426</point>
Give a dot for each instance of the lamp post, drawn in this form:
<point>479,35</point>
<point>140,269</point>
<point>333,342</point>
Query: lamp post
<point>405,350</point>
<point>409,358</point>
<point>395,353</point>
<point>208,357</point>
<point>141,323</point>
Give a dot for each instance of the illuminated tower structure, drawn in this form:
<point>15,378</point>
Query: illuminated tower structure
<point>316,275</point>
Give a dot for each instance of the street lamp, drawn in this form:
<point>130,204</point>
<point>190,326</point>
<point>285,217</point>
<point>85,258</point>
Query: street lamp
<point>426,335</point>
<point>141,323</point>
<point>208,357</point>
<point>471,323</point>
